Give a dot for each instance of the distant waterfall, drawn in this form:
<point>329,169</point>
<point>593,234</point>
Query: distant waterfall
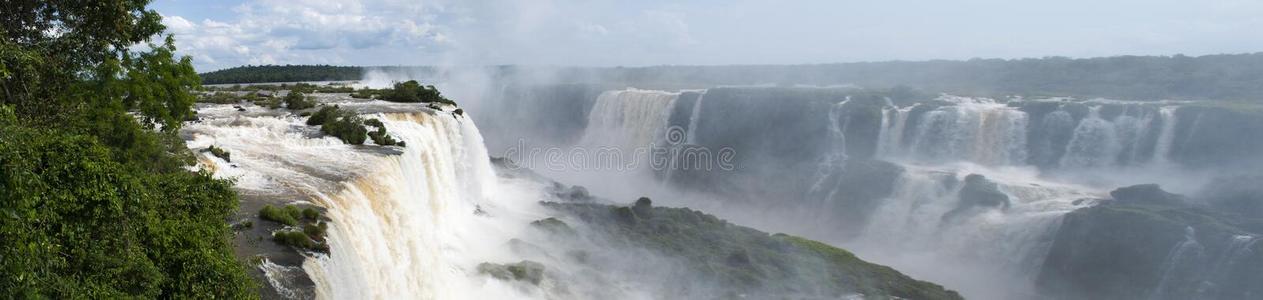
<point>628,119</point>
<point>1186,254</point>
<point>1162,148</point>
<point>1094,143</point>
<point>980,131</point>
<point>1016,238</point>
<point>894,121</point>
<point>826,185</point>
<point>694,117</point>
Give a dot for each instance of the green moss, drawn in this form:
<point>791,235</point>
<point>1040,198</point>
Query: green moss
<point>220,153</point>
<point>528,271</point>
<point>287,215</point>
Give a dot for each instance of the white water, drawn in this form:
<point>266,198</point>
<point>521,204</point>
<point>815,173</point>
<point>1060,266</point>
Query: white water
<point>402,223</point>
<point>1162,149</point>
<point>628,119</point>
<point>999,249</point>
<point>694,117</point>
<point>979,130</point>
<point>1187,252</point>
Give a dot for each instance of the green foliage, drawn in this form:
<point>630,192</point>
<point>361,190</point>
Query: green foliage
<point>288,215</point>
<point>412,91</point>
<point>286,73</point>
<point>219,98</point>
<point>292,238</point>
<point>365,93</point>
<point>97,204</point>
<point>296,100</point>
<point>325,114</point>
<point>311,214</point>
<point>76,223</point>
<point>348,128</point>
<point>220,153</point>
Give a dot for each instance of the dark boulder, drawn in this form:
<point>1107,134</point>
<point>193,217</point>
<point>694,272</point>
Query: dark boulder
<point>1147,194</point>
<point>978,193</point>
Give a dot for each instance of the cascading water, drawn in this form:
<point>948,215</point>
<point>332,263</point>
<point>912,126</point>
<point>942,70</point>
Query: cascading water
<point>694,117</point>
<point>1094,143</point>
<point>976,130</point>
<point>410,222</point>
<point>1162,148</point>
<point>826,186</point>
<point>1187,254</point>
<point>628,119</point>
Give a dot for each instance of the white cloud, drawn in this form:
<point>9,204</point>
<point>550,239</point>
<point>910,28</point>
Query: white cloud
<point>304,31</point>
<point>611,32</point>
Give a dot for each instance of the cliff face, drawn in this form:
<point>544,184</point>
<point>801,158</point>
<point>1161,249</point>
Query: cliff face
<point>1147,244</point>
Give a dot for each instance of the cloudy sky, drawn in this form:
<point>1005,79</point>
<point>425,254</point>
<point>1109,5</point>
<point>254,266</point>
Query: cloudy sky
<point>220,34</point>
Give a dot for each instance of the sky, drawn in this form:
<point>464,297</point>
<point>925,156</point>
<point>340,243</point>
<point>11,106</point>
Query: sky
<point>222,34</point>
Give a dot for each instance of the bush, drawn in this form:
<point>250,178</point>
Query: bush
<point>219,98</point>
<point>220,153</point>
<point>365,93</point>
<point>315,231</point>
<point>323,115</point>
<point>311,214</point>
<point>347,128</point>
<point>412,91</point>
<point>296,100</point>
<point>287,215</point>
<point>293,238</point>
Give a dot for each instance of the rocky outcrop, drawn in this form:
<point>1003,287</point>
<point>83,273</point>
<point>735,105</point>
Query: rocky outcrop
<point>738,262</point>
<point>1146,194</point>
<point>1147,244</point>
<point>977,194</point>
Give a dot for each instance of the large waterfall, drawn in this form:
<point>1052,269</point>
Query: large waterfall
<point>927,218</point>
<point>408,222</point>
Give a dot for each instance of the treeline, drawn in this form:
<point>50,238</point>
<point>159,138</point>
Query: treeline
<point>286,73</point>
<point>1213,77</point>
<point>95,198</point>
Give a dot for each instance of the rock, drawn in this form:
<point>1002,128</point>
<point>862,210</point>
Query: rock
<point>553,225</point>
<point>1146,194</point>
<point>527,271</point>
<point>643,207</point>
<point>977,193</point>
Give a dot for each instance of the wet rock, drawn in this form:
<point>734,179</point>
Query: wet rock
<point>1146,193</point>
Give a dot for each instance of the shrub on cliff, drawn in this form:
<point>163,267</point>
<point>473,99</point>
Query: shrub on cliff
<point>296,100</point>
<point>412,91</point>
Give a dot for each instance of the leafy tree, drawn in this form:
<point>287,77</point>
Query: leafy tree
<point>94,198</point>
<point>412,91</point>
<point>296,100</point>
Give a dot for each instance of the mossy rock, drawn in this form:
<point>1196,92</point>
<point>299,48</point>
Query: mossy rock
<point>526,271</point>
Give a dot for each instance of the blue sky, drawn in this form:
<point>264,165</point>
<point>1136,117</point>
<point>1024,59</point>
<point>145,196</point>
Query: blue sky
<point>220,34</point>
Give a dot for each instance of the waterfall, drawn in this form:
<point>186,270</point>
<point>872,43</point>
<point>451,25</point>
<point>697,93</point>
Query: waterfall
<point>1185,254</point>
<point>694,117</point>
<point>835,159</point>
<point>1162,149</point>
<point>408,229</point>
<point>890,138</point>
<point>402,220</point>
<point>980,131</point>
<point>1094,143</point>
<point>628,119</point>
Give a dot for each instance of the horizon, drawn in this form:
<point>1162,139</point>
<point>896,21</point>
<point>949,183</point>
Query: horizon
<point>610,33</point>
<point>754,65</point>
